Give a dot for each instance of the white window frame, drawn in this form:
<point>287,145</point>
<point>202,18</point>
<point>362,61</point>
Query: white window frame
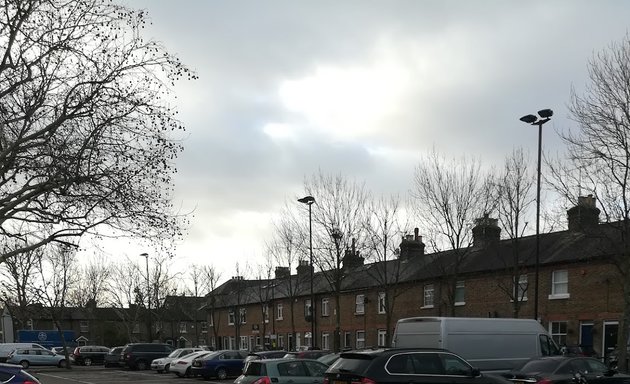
<point>211,323</point>
<point>265,310</point>
<point>559,331</point>
<point>85,326</point>
<point>521,287</point>
<point>559,284</point>
<point>244,343</point>
<point>382,307</point>
<point>347,340</point>
<point>325,341</point>
<point>243,315</point>
<point>360,340</point>
<point>204,326</point>
<point>429,296</point>
<point>183,327</point>
<point>359,304</point>
<point>380,337</point>
<point>307,307</point>
<point>325,306</point>
<point>460,286</point>
<point>279,311</point>
<point>231,317</point>
<point>136,328</point>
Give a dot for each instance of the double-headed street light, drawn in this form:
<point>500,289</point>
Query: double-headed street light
<point>309,200</point>
<point>544,116</point>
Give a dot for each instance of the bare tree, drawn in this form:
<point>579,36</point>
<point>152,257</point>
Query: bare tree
<point>286,248</point>
<point>57,272</point>
<point>17,293</point>
<point>599,159</point>
<point>514,196</point>
<point>128,295</point>
<point>210,282</point>
<point>385,222</point>
<point>87,136</point>
<point>449,194</point>
<point>338,217</point>
<point>91,285</point>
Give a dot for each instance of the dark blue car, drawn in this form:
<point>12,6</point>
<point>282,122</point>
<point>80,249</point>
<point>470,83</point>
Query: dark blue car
<point>14,374</point>
<point>219,364</point>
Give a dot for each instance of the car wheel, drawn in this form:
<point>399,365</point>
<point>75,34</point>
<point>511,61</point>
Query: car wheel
<point>62,364</point>
<point>167,368</point>
<point>188,372</point>
<point>221,374</point>
<point>141,365</point>
<point>87,361</point>
<point>24,364</point>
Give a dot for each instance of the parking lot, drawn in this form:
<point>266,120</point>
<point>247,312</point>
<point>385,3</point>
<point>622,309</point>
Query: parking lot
<point>101,375</point>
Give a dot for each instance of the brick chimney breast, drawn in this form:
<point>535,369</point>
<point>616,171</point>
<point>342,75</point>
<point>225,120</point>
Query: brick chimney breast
<point>585,215</point>
<point>411,245</point>
<point>486,231</point>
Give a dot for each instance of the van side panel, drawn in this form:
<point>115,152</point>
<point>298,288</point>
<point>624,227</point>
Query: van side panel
<point>418,333</point>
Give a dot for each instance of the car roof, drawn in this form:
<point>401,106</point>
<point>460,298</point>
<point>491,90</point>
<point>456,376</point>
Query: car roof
<point>382,351</point>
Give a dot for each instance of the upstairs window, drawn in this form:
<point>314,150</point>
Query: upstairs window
<point>460,293</point>
<point>559,284</point>
<point>359,307</point>
<point>382,307</point>
<point>429,291</point>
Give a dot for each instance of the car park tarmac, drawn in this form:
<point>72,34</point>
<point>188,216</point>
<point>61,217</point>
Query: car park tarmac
<point>101,375</point>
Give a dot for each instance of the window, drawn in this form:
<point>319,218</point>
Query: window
<point>136,328</point>
<point>359,307</point>
<point>279,314</point>
<point>325,341</point>
<point>85,326</point>
<point>559,284</point>
<point>307,308</point>
<point>382,307</point>
<point>281,341</point>
<point>347,342</point>
<point>182,327</point>
<point>381,338</point>
<point>460,290</point>
<point>520,288</point>
<point>204,326</point>
<point>559,332</point>
<point>429,294</point>
<point>211,324</point>
<point>243,315</point>
<point>360,339</point>
<point>265,311</point>
<point>325,307</point>
<point>244,343</point>
<point>231,318</point>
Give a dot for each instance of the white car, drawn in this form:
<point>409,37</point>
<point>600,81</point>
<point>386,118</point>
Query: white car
<point>181,366</point>
<point>163,364</point>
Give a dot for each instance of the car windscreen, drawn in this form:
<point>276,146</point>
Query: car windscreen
<point>174,353</point>
<point>354,363</point>
<point>255,368</point>
<point>539,366</point>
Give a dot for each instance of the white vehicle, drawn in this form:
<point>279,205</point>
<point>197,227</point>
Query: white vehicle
<point>489,344</point>
<point>181,366</point>
<point>163,364</point>
<point>6,348</point>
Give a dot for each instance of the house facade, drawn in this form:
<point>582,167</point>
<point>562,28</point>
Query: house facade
<point>579,291</point>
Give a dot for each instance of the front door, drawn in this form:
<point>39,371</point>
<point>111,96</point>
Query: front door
<point>610,336</point>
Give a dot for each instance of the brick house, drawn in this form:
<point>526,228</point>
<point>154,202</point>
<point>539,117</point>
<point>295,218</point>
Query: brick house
<point>580,296</point>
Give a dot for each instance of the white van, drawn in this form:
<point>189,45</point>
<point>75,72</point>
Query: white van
<point>489,344</point>
<point>6,348</point>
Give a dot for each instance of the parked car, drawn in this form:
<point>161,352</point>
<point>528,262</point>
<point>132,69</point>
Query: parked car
<point>309,354</point>
<point>222,364</point>
<point>566,369</point>
<point>15,374</point>
<point>262,355</point>
<point>182,367</point>
<point>112,359</point>
<point>6,348</point>
<point>90,354</point>
<point>282,371</point>
<point>394,365</point>
<point>140,355</point>
<point>35,356</point>
<point>163,363</point>
<point>329,358</point>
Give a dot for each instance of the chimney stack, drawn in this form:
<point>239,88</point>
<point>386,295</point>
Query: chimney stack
<point>486,232</point>
<point>584,216</point>
<point>411,245</point>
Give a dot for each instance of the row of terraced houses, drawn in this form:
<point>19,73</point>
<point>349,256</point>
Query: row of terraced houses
<point>579,295</point>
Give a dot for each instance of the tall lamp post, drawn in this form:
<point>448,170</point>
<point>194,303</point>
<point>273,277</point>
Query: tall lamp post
<point>146,256</point>
<point>309,200</point>
<point>544,116</point>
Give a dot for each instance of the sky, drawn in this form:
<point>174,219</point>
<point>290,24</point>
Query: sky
<point>358,88</point>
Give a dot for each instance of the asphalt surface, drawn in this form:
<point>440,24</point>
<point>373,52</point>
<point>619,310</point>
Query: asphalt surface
<point>101,375</point>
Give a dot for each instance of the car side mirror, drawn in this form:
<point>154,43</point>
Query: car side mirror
<point>475,372</point>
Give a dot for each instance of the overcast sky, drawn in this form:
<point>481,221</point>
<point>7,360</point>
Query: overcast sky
<point>362,88</point>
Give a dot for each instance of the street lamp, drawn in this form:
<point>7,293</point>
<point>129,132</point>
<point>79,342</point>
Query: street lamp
<point>146,255</point>
<point>309,200</point>
<point>544,116</point>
